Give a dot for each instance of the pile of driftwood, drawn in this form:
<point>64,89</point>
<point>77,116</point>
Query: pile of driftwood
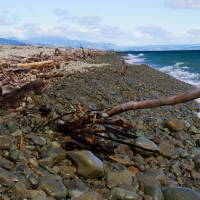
<point>39,65</point>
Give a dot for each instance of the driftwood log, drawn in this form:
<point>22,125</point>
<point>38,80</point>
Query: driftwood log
<point>13,99</point>
<point>172,100</point>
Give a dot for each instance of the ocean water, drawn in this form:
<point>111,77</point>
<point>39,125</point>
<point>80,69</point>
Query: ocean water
<point>183,65</point>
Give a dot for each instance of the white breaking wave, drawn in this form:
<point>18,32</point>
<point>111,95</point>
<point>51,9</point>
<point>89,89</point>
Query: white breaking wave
<point>135,59</point>
<point>179,71</point>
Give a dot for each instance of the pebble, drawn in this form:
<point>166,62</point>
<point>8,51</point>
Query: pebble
<point>5,142</point>
<point>145,143</point>
<point>53,188</point>
<point>154,192</point>
<point>88,165</point>
<point>175,125</point>
<point>123,176</point>
<point>174,193</point>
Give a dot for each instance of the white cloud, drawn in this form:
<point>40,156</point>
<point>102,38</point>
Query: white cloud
<point>195,31</point>
<point>88,20</point>
<point>6,20</point>
<point>60,12</point>
<point>183,4</point>
<point>153,31</point>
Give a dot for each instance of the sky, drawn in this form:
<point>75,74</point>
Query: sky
<point>124,23</point>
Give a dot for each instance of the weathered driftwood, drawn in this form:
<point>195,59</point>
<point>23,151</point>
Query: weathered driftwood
<point>172,100</point>
<point>123,67</point>
<point>37,64</point>
<point>13,99</point>
<point>5,80</point>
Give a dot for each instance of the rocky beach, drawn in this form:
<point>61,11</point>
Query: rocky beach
<point>35,165</point>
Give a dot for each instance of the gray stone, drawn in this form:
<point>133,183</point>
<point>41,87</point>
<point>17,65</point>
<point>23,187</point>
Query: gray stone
<point>40,141</point>
<point>178,193</point>
<point>11,126</point>
<point>158,174</point>
<point>175,125</point>
<point>16,133</point>
<point>123,176</point>
<point>66,171</point>
<point>76,188</point>
<point>5,142</point>
<point>181,135</point>
<point>89,196</point>
<point>193,152</point>
<point>147,179</point>
<point>193,130</point>
<point>5,178</point>
<point>38,118</point>
<point>125,194</point>
<point>164,148</point>
<point>53,188</point>
<point>88,165</point>
<point>154,192</point>
<point>145,143</point>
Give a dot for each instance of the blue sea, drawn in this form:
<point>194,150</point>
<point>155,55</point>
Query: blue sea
<point>183,65</point>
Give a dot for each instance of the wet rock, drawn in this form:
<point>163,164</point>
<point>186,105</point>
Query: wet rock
<point>175,125</point>
<point>146,143</point>
<point>120,177</point>
<point>53,188</point>
<point>88,165</point>
<point>5,142</point>
<point>174,193</point>
<point>125,194</point>
<point>154,192</point>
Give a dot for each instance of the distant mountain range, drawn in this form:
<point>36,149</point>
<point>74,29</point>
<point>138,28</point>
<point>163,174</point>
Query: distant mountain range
<point>66,42</point>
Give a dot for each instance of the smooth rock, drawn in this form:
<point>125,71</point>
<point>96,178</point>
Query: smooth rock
<point>146,143</point>
<point>147,179</point>
<point>40,141</point>
<point>123,176</point>
<point>11,126</point>
<point>193,152</point>
<point>165,149</point>
<point>16,133</point>
<point>125,194</point>
<point>66,171</point>
<point>53,188</point>
<point>89,196</point>
<point>5,178</point>
<point>76,188</point>
<point>175,125</point>
<point>178,193</point>
<point>5,142</point>
<point>88,165</point>
<point>154,192</point>
<point>181,135</point>
<point>20,191</point>
<point>193,130</point>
